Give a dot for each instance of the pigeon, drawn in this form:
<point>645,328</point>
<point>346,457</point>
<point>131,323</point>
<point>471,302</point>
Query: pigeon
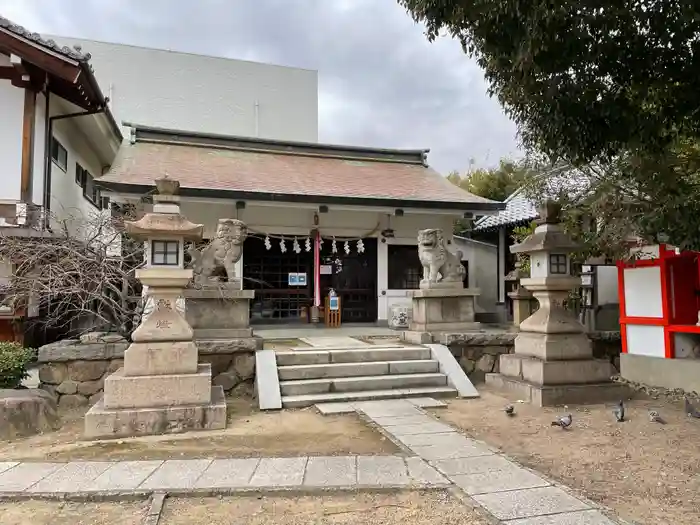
<point>654,417</point>
<point>563,421</point>
<point>619,412</point>
<point>509,410</point>
<point>690,410</point>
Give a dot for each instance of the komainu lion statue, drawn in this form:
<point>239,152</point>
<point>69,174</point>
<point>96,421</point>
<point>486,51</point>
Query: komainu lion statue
<point>223,252</point>
<point>440,265</point>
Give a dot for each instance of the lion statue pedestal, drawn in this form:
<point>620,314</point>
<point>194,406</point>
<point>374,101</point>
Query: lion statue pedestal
<point>442,304</point>
<point>216,306</point>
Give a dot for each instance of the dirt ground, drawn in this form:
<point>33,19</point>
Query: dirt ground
<point>646,472</point>
<point>412,508</point>
<point>250,433</point>
<point>67,513</point>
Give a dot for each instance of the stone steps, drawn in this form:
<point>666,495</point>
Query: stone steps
<point>354,355</point>
<point>305,400</point>
<point>362,383</point>
<point>370,368</point>
<point>310,376</point>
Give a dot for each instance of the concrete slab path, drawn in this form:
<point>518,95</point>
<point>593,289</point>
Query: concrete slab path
<point>437,456</point>
<point>510,493</point>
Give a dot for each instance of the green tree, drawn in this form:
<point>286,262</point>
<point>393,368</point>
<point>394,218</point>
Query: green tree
<point>643,197</point>
<point>494,183</point>
<point>584,81</point>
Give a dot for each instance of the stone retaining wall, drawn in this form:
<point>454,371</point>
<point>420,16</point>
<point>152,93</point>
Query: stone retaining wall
<point>477,353</point>
<point>74,370</point>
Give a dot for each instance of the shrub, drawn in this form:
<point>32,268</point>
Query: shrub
<point>14,359</point>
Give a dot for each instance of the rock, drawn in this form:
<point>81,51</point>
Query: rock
<point>90,388</point>
<point>67,387</point>
<point>467,365</point>
<point>227,380</point>
<point>229,346</point>
<point>87,370</point>
<point>486,363</point>
<point>244,366</point>
<point>26,412</point>
<point>51,389</point>
<point>243,390</point>
<point>111,338</point>
<point>72,401</point>
<point>219,363</point>
<point>53,373</point>
<point>115,365</point>
<point>92,337</point>
<point>56,352</point>
<point>95,398</point>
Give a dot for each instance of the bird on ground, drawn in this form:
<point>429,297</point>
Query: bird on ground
<point>654,417</point>
<point>690,410</point>
<point>619,412</point>
<point>509,410</point>
<point>563,421</point>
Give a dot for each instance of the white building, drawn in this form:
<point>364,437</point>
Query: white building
<point>172,90</point>
<point>56,136</point>
<point>366,203</point>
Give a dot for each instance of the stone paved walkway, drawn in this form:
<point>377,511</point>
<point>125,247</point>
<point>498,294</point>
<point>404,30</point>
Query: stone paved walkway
<point>441,457</point>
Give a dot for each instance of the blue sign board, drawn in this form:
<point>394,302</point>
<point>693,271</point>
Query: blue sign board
<point>333,303</point>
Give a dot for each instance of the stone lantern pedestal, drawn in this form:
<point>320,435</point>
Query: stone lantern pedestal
<point>162,387</point>
<point>553,361</point>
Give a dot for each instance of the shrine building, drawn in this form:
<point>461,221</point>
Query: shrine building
<point>319,216</point>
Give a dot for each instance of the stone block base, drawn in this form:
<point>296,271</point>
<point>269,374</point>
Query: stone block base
<point>551,347</point>
<point>543,396</point>
<point>538,372</point>
<point>122,391</point>
<point>219,312</point>
<point>144,359</point>
<point>447,310</point>
<point>101,422</point>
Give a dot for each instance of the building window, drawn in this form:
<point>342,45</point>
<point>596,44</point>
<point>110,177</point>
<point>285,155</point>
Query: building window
<point>165,253</point>
<point>557,264</point>
<point>80,175</point>
<point>90,190</point>
<point>405,268</point>
<point>59,154</point>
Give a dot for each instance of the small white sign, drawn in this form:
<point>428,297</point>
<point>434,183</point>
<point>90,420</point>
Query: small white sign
<point>293,279</point>
<point>301,279</point>
<point>326,269</point>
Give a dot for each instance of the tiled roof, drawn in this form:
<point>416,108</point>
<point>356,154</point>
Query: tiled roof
<point>72,53</point>
<point>518,209</point>
<point>264,169</point>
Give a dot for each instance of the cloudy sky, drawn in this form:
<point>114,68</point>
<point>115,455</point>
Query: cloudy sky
<point>380,82</point>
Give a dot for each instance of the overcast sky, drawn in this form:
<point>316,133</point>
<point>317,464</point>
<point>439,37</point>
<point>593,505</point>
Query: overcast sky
<point>381,83</point>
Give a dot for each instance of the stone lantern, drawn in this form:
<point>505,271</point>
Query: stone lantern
<point>521,296</point>
<point>162,387</point>
<point>553,360</point>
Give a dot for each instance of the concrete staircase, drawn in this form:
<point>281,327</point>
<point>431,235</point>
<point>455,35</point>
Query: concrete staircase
<point>323,375</point>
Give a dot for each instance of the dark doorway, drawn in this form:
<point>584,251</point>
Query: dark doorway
<point>267,272</point>
<point>354,278</point>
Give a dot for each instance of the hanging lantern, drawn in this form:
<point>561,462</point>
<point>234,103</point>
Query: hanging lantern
<point>360,246</point>
<point>307,244</point>
<point>295,246</point>
<point>346,247</point>
<point>283,247</point>
<point>268,244</point>
<point>334,248</point>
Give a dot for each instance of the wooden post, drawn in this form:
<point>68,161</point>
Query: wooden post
<point>26,185</point>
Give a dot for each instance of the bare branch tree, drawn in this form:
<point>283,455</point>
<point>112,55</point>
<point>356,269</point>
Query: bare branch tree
<point>80,274</point>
